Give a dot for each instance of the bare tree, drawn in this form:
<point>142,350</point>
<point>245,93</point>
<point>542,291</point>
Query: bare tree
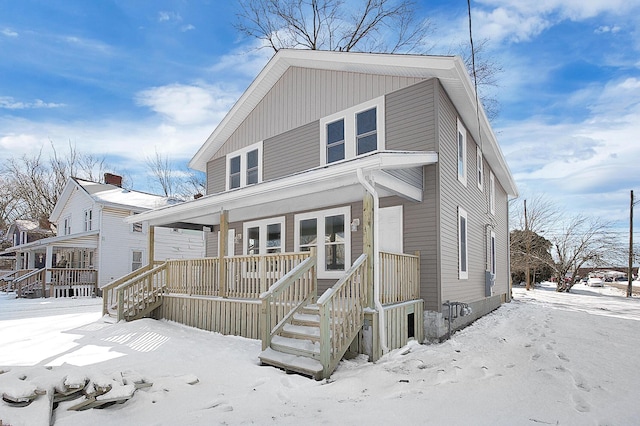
<point>484,70</point>
<point>581,241</point>
<point>366,26</point>
<point>30,185</point>
<point>183,184</point>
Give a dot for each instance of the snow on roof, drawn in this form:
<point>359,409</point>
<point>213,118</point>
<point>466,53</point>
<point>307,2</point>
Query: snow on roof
<point>112,194</point>
<point>31,225</point>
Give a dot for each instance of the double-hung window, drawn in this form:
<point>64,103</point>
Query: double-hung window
<point>463,248</point>
<point>88,220</point>
<point>492,193</point>
<point>327,231</point>
<point>462,153</point>
<point>352,132</point>
<point>136,259</point>
<point>66,225</point>
<point>244,167</point>
<point>480,169</point>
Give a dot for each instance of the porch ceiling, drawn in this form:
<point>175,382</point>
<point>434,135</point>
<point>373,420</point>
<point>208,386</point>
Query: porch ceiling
<point>87,239</point>
<point>310,190</point>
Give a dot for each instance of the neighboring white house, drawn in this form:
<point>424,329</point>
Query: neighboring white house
<point>91,232</point>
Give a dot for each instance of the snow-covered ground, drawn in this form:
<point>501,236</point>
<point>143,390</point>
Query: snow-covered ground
<point>547,358</point>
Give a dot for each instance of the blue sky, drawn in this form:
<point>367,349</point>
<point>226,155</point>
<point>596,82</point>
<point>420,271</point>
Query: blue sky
<point>124,79</point>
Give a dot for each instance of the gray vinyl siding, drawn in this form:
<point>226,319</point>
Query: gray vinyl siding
<point>291,152</point>
<point>474,201</point>
<point>304,95</point>
<point>216,176</point>
<point>410,118</point>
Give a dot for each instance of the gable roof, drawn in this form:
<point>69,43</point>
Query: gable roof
<point>109,195</point>
<point>449,70</point>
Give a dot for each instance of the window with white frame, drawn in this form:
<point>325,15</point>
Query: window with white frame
<point>23,237</point>
<point>16,240</point>
<point>492,251</point>
<point>136,259</point>
<point>244,167</point>
<point>480,169</point>
<point>352,132</point>
<point>66,225</point>
<point>136,226</point>
<point>88,220</point>
<point>463,248</point>
<point>462,153</point>
<point>329,232</point>
<point>492,193</point>
<point>264,236</point>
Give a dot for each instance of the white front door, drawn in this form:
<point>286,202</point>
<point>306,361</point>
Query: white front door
<point>391,229</point>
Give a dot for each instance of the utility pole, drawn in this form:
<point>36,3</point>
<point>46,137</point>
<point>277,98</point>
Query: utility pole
<point>630,274</point>
<point>527,237</point>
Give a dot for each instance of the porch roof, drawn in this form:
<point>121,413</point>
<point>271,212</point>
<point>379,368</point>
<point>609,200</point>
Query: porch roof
<point>316,188</point>
<point>88,239</point>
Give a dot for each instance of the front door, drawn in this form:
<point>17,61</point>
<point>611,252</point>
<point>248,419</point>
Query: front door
<point>391,229</point>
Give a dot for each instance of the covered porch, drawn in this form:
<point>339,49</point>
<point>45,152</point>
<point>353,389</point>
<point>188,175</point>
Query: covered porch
<point>62,266</point>
<point>271,293</point>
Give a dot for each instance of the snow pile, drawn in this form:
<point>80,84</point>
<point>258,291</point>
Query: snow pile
<point>546,358</point>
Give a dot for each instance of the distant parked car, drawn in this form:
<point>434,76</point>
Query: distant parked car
<point>595,282</point>
<point>622,279</point>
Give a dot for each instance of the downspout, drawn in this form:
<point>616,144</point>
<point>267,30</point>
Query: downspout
<point>376,264</point>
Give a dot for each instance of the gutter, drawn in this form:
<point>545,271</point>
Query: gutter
<point>376,264</point>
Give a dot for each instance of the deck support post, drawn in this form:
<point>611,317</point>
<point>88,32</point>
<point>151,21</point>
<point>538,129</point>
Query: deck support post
<point>367,244</point>
<point>222,250</point>
<point>151,243</point>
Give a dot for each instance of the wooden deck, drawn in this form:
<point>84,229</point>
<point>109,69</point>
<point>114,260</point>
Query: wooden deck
<point>53,282</point>
<point>262,297</point>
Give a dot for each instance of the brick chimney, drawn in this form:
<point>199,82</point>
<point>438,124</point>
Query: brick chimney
<point>112,179</point>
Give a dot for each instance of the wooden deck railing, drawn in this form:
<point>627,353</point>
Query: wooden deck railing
<point>68,282</point>
<point>109,296</point>
<point>142,293</point>
<point>399,277</point>
<point>7,279</point>
<point>30,282</point>
<point>342,314</point>
<point>294,290</point>
<point>247,276</point>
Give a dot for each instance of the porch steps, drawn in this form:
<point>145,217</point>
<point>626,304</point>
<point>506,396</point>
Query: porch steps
<point>296,346</point>
<point>292,363</point>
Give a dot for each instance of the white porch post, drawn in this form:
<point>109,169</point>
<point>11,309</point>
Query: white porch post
<point>222,251</point>
<point>31,260</point>
<point>48,262</point>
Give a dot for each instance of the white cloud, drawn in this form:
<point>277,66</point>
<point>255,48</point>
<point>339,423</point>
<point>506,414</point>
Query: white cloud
<point>187,27</point>
<point>164,16</point>
<point>7,102</point>
<point>188,104</point>
<point>247,60</point>
<point>607,29</point>
<point>517,20</point>
<point>8,32</point>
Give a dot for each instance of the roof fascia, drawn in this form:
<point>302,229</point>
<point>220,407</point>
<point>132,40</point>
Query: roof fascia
<point>65,195</point>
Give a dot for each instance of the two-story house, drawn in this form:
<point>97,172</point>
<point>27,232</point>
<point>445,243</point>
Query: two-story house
<point>344,154</point>
<point>93,238</point>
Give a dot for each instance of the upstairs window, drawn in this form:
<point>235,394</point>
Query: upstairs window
<point>88,220</point>
<point>492,193</point>
<point>352,132</point>
<point>136,226</point>
<point>244,167</point>
<point>66,225</point>
<point>23,237</point>
<point>480,169</point>
<point>462,153</point>
<point>335,141</point>
<point>366,135</point>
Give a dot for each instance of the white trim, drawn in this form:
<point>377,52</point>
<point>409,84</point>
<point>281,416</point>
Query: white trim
<point>320,216</point>
<point>66,225</point>
<point>492,193</point>
<point>88,221</point>
<point>461,160</point>
<point>262,229</point>
<point>349,116</point>
<point>463,246</point>
<point>479,169</point>
<point>242,153</point>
